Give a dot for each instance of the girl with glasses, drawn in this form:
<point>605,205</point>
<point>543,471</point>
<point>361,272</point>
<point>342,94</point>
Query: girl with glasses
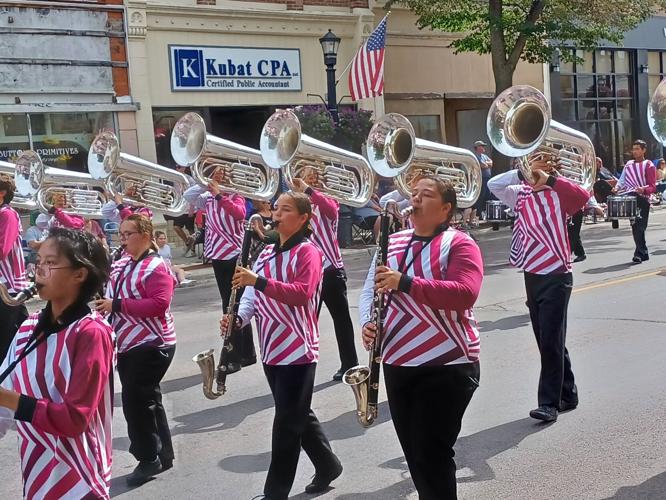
<point>62,408</point>
<point>138,302</point>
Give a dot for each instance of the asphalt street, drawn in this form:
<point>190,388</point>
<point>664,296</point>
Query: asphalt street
<point>612,446</point>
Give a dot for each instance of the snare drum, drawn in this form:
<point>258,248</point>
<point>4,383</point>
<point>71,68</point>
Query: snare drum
<point>622,207</point>
<point>496,211</point>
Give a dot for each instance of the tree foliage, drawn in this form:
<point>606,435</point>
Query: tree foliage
<point>530,30</point>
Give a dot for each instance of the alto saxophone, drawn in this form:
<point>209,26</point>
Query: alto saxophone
<point>364,380</point>
<point>206,359</point>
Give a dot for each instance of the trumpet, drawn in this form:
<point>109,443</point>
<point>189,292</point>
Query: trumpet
<point>243,169</point>
<point>342,175</point>
<point>138,181</point>
<point>519,124</point>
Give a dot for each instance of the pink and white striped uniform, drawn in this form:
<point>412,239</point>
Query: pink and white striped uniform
<point>324,223</point>
<point>635,175</point>
<point>432,324</point>
<point>12,264</point>
<point>66,449</point>
<point>540,240</point>
<point>62,219</point>
<point>286,309</point>
<point>224,226</point>
<point>145,289</point>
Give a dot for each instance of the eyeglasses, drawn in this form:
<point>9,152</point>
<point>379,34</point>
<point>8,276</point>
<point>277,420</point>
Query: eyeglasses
<point>44,269</point>
<point>126,234</point>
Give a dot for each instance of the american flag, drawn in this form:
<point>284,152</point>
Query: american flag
<point>366,76</point>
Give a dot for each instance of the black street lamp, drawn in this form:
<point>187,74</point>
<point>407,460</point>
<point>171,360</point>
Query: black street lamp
<point>329,45</point>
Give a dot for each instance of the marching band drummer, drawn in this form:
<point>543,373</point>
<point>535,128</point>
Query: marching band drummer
<point>639,176</point>
<point>430,350</point>
<point>283,293</point>
<point>62,407</point>
<point>12,264</point>
<point>334,288</point>
<point>138,304</point>
<point>540,247</point>
<point>225,214</point>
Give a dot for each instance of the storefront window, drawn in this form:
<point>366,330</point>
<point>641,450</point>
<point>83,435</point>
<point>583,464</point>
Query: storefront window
<point>426,127</point>
<point>61,139</point>
<point>163,123</point>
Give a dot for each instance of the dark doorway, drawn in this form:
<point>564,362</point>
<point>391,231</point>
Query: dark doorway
<point>242,124</point>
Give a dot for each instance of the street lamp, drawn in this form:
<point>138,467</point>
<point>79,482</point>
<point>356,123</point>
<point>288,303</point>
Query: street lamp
<point>329,45</point>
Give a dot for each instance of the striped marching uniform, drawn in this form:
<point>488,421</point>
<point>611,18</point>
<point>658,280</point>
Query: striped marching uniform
<point>65,444</point>
<point>430,348</point>
<point>12,264</point>
<point>115,213</point>
<point>67,221</point>
<point>128,280</point>
<point>641,174</point>
<point>325,229</point>
<point>540,247</point>
<point>417,333</point>
<point>284,301</point>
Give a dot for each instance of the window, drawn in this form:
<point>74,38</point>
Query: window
<point>426,127</point>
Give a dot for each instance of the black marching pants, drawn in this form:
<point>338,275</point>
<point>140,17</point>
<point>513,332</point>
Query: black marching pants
<point>548,300</point>
<point>575,243</point>
<point>294,426</point>
<point>141,370</point>
<point>334,295</point>
<point>639,226</point>
<point>241,339</point>
<point>11,318</point>
<point>427,405</point>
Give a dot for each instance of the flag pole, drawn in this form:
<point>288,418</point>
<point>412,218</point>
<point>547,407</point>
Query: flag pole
<point>354,56</point>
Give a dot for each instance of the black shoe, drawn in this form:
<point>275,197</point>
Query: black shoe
<point>636,260</point>
<point>248,361</point>
<point>545,413</point>
<point>337,376</point>
<point>647,257</point>
<point>320,482</point>
<point>144,472</point>
<point>580,258</point>
<point>568,405</point>
<point>167,463</point>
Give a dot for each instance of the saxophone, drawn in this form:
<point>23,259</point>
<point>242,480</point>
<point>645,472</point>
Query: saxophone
<point>206,359</point>
<point>364,380</point>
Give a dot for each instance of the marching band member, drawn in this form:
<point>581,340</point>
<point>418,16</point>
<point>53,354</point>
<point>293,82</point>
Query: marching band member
<point>60,218</point>
<point>138,303</point>
<point>334,288</point>
<point>62,407</point>
<point>540,247</point>
<point>639,176</point>
<point>116,211</point>
<point>225,214</point>
<point>431,348</point>
<point>12,264</point>
<point>283,293</point>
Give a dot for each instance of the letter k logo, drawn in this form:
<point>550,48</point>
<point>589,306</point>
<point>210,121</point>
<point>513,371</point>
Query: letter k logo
<point>188,68</point>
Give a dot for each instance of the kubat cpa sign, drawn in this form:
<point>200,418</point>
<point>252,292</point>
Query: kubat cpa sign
<point>205,68</point>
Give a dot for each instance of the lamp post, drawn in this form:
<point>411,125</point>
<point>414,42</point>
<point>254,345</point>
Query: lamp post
<point>329,45</point>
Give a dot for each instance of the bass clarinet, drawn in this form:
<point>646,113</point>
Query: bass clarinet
<point>364,380</point>
<point>206,359</point>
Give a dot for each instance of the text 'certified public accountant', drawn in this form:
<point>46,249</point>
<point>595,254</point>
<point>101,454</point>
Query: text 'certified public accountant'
<point>234,68</point>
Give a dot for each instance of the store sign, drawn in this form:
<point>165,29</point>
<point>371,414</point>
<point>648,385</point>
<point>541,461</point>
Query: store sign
<point>234,69</point>
<point>64,154</point>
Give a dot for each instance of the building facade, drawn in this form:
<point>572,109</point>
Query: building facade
<point>63,77</point>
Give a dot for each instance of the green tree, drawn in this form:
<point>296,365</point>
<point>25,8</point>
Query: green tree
<point>530,30</point>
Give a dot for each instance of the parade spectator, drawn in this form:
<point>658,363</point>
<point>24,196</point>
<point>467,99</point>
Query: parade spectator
<point>470,214</point>
<point>164,251</point>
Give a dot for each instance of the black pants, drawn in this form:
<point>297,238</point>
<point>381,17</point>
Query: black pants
<point>141,370</point>
<point>11,318</point>
<point>574,226</point>
<point>639,226</point>
<point>427,405</point>
<point>294,426</point>
<point>548,300</point>
<point>334,295</point>
<point>242,341</point>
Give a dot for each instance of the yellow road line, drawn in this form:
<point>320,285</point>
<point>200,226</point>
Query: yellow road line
<point>618,281</point>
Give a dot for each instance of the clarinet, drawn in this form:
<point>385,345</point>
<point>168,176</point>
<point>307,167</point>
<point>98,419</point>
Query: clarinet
<point>225,367</point>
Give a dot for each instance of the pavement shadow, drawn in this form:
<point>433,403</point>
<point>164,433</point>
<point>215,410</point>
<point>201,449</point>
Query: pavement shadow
<point>508,323</point>
<point>394,491</point>
<point>609,269</point>
<point>167,386</point>
<point>652,489</point>
<point>243,464</point>
<point>476,450</point>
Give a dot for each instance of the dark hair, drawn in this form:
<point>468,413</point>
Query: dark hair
<point>82,249</point>
<point>304,206</point>
<point>159,233</point>
<point>445,190</point>
<point>7,185</point>
<point>640,142</point>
